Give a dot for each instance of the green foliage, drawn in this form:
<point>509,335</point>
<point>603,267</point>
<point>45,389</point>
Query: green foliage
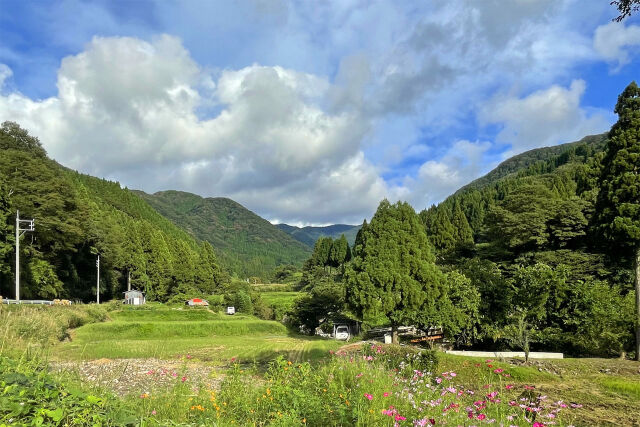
<point>619,197</point>
<point>13,137</point>
<point>536,293</point>
<point>29,396</point>
<point>321,303</point>
<point>394,273</point>
<point>245,244</point>
<point>618,206</point>
<point>78,216</point>
<point>461,317</point>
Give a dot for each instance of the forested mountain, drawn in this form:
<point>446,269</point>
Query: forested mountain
<point>247,244</point>
<point>529,226</point>
<point>78,216</point>
<point>308,235</point>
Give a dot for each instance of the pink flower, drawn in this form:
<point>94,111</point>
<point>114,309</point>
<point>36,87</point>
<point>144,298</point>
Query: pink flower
<point>153,412</point>
<point>529,387</point>
<point>438,380</point>
<point>233,359</point>
<point>368,396</point>
<point>497,371</point>
<point>537,424</point>
<point>386,394</point>
<point>509,386</point>
<point>453,374</point>
<point>400,418</point>
<point>184,379</point>
<point>359,375</point>
<point>481,416</point>
<point>470,415</point>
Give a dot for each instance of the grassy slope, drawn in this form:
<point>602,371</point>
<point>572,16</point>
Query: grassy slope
<point>246,243</point>
<point>208,336</point>
<point>309,235</point>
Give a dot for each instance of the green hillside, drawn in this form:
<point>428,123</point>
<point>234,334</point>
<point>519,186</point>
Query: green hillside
<point>78,216</point>
<point>524,160</point>
<point>247,244</point>
<point>308,235</point>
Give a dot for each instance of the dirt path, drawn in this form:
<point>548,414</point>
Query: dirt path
<point>139,376</point>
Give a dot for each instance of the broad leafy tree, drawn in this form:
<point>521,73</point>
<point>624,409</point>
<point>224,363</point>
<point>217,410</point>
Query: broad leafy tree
<point>618,207</point>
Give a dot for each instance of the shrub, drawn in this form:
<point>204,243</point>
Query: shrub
<point>30,396</point>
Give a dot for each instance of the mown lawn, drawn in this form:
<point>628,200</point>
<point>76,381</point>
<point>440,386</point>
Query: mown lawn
<point>207,336</point>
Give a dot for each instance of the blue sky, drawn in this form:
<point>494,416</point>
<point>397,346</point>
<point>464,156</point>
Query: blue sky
<point>310,112</point>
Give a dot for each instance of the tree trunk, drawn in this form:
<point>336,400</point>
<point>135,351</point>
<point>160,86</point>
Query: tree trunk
<point>637,278</point>
<point>394,334</point>
<point>128,279</point>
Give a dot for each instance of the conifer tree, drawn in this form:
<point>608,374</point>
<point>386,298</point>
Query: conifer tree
<point>394,274</point>
<point>618,206</point>
<point>357,244</point>
<point>462,231</point>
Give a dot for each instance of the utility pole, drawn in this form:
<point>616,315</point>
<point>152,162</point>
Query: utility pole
<point>30,224</point>
<point>98,281</point>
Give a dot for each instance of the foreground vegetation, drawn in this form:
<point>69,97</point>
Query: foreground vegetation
<point>265,376</point>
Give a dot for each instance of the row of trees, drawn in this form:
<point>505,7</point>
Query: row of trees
<point>78,217</point>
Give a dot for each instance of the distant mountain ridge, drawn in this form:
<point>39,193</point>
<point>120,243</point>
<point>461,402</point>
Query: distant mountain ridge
<point>245,243</point>
<point>523,160</point>
<point>309,234</point>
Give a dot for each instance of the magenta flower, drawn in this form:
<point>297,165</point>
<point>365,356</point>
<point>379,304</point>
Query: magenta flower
<point>368,396</point>
<point>386,394</point>
<point>481,416</point>
<point>497,371</point>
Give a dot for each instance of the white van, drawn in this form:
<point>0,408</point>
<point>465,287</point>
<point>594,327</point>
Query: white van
<point>231,310</point>
<point>342,333</point>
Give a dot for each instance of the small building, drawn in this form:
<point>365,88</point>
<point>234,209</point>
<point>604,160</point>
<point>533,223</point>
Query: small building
<point>134,297</point>
<point>195,302</point>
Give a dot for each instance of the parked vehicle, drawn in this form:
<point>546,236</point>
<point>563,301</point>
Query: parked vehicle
<point>342,332</point>
<point>231,310</point>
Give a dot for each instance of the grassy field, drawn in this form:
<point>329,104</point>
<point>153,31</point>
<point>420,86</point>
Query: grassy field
<point>204,335</point>
<point>361,386</point>
<point>280,298</point>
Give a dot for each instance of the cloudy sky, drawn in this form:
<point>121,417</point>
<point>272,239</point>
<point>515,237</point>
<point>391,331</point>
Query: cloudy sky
<point>310,112</point>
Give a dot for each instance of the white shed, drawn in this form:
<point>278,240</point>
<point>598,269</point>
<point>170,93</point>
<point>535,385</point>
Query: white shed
<point>134,297</point>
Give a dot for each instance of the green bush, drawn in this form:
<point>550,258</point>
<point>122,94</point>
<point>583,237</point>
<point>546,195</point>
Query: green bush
<point>30,396</point>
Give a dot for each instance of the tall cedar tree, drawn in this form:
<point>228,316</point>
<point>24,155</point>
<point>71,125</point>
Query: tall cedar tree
<point>618,207</point>
<point>394,273</point>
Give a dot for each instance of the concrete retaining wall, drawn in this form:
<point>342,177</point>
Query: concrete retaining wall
<point>506,354</point>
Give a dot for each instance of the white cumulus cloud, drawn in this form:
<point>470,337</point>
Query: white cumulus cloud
<point>546,117</point>
<point>613,42</point>
<point>127,109</point>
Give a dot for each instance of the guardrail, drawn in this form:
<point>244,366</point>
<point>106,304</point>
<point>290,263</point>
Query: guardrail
<point>27,301</point>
